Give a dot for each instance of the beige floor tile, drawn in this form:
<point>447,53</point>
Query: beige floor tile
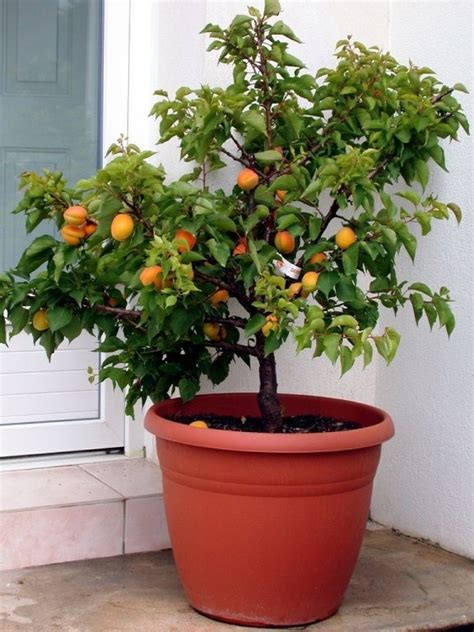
<point>51,487</point>
<point>132,478</point>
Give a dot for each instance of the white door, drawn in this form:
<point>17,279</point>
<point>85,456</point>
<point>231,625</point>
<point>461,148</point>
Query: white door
<point>50,117</point>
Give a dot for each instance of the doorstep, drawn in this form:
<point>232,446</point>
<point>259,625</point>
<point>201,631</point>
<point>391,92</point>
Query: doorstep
<point>399,585</point>
<point>77,512</point>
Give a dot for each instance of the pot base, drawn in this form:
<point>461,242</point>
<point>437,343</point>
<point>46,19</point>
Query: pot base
<point>241,620</point>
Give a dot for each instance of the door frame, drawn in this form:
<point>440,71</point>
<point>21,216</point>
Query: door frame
<point>122,55</point>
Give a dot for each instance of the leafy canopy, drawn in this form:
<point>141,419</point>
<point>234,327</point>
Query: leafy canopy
<point>334,141</point>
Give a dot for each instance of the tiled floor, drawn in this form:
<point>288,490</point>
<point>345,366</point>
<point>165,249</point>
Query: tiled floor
<point>80,512</point>
<point>400,585</point>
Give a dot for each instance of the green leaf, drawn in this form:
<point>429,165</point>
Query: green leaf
<point>73,329</point>
<point>188,387</point>
<point>403,135</point>
<point>18,317</point>
<point>272,343</point>
<point>254,324</point>
<point>254,255</point>
<point>422,172</point>
<point>421,287</point>
<point>268,156</point>
<point>312,188</point>
<point>368,353</point>
<point>456,210</point>
<point>219,369</point>
<point>220,251</point>
<point>255,120</point>
<point>284,183</point>
<point>460,87</point>
<point>350,259</point>
<point>344,321</point>
<point>272,7</point>
<point>280,28</point>
<point>58,317</point>
<point>291,60</point>
<point>417,304</point>
<point>181,320</point>
<point>326,281</point>
<point>347,359</point>
<point>3,331</point>
<point>331,346</point>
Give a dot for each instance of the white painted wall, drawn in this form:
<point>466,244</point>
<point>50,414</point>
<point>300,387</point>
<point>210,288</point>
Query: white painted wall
<point>424,487</point>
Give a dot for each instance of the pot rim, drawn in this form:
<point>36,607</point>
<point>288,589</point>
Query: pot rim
<point>375,433</point>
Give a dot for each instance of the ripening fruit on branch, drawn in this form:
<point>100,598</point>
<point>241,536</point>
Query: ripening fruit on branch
<point>284,242</point>
<point>40,320</point>
<point>214,332</point>
<point>310,281</point>
<point>199,423</point>
<point>319,257</point>
<point>241,248</point>
<point>72,235</point>
<point>89,229</point>
<point>281,195</point>
<point>122,227</point>
<point>294,290</point>
<point>345,237</point>
<point>247,179</point>
<point>186,240</point>
<point>220,296</point>
<point>271,325</point>
<point>75,215</point>
<point>152,275</point>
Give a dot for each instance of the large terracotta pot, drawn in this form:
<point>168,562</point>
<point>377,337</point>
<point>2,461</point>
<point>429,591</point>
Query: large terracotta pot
<point>266,528</point>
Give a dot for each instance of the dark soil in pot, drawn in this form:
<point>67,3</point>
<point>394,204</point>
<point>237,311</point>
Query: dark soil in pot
<point>293,424</point>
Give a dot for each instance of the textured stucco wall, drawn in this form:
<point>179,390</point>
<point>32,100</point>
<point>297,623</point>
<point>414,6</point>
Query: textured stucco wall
<point>425,485</point>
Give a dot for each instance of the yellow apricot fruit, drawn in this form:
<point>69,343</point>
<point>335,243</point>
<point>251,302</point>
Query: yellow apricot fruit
<point>281,195</point>
<point>211,331</point>
<point>199,423</point>
<point>40,320</point>
<point>152,275</point>
<point>72,235</point>
<point>284,242</point>
<point>220,296</point>
<point>122,227</point>
<point>319,257</point>
<point>247,179</point>
<point>270,325</point>
<point>345,237</point>
<point>310,281</point>
<point>294,289</point>
<point>186,240</point>
<point>75,215</point>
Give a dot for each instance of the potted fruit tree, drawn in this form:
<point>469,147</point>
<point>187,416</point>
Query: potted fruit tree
<point>266,494</point>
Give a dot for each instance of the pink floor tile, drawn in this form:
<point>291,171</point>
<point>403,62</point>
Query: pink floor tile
<point>145,525</point>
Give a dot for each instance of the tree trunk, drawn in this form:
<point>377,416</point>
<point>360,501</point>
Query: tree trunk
<point>269,405</point>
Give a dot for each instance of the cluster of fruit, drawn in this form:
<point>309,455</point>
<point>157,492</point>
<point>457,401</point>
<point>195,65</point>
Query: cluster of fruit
<point>77,225</point>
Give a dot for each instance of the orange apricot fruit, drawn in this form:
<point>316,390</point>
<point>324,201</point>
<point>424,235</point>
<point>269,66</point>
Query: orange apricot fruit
<point>219,296</point>
<point>310,281</point>
<point>247,179</point>
<point>72,235</point>
<point>152,275</point>
<point>319,257</point>
<point>345,237</point>
<point>186,240</point>
<point>122,227</point>
<point>75,215</point>
<point>284,242</point>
